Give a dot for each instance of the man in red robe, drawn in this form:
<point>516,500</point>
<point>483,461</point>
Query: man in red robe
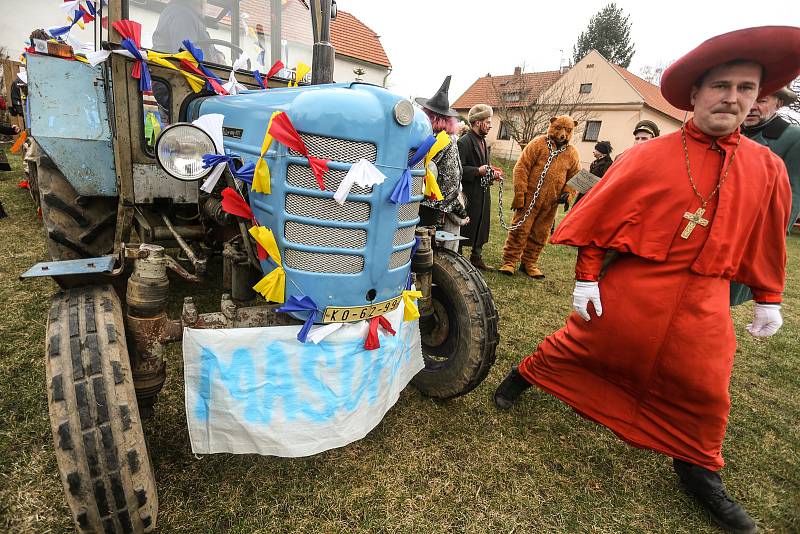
<point>703,206</point>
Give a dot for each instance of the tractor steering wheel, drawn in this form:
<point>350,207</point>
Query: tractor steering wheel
<point>227,44</point>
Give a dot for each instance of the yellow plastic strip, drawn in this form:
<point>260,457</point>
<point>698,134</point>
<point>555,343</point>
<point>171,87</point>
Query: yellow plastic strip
<point>261,176</point>
<point>410,311</point>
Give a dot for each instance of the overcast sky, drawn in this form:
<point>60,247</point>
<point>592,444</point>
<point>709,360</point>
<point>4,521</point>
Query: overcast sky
<point>426,40</point>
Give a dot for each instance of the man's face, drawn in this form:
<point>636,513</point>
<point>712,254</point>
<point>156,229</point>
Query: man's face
<point>763,109</point>
<point>641,136</point>
<point>483,127</point>
<point>725,97</point>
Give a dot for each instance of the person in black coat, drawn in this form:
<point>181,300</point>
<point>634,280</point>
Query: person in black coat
<point>475,155</point>
<point>602,161</point>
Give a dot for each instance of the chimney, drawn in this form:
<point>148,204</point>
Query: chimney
<point>517,71</point>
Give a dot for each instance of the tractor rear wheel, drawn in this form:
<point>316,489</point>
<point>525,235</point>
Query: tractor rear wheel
<point>75,226</point>
<point>460,338</point>
<point>99,443</point>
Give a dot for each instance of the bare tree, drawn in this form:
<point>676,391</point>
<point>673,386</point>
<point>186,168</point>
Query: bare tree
<point>652,73</point>
<point>795,86</point>
<point>526,101</point>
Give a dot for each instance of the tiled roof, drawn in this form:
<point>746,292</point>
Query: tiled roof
<point>485,90</point>
<point>351,37</point>
<point>651,94</point>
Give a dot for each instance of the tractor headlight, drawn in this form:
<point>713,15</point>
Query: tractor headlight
<point>403,112</point>
<point>180,149</point>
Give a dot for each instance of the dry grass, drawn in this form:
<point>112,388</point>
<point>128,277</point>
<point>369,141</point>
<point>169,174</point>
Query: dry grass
<point>457,466</point>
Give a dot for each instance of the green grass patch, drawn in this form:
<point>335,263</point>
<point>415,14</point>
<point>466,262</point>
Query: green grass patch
<point>456,466</point>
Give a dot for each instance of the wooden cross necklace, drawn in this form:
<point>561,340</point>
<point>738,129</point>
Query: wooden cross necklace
<point>697,217</point>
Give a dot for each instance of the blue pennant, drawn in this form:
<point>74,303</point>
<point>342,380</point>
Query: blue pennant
<point>402,191</point>
<point>305,304</point>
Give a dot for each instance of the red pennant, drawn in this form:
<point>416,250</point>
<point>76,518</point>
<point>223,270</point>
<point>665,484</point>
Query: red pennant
<point>233,203</point>
<point>372,342</point>
<point>318,167</point>
<point>283,130</point>
<point>129,29</point>
<point>262,252</point>
<point>278,65</point>
<point>24,184</point>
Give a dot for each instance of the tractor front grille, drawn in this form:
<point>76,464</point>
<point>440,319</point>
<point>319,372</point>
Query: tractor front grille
<point>399,258</point>
<point>302,177</point>
<point>403,236</point>
<point>337,149</point>
<point>326,209</point>
<point>319,262</point>
<point>408,212</point>
<point>324,236</point>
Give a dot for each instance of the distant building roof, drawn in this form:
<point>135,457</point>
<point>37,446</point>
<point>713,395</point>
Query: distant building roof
<point>651,94</point>
<point>485,90</point>
<point>351,37</point>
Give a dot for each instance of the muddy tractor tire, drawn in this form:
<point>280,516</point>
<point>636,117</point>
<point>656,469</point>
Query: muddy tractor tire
<point>99,443</point>
<point>75,227</point>
<point>460,338</point>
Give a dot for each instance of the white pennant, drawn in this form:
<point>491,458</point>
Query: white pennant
<point>362,173</point>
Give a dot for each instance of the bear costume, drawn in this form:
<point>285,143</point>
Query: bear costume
<point>526,242</point>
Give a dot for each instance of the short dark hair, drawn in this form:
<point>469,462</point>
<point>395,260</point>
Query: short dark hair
<point>731,63</point>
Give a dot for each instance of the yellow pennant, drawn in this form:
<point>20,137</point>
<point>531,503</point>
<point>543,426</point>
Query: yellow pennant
<point>261,176</point>
<point>195,82</point>
<point>273,286</point>
<point>300,72</point>
<point>82,59</point>
<point>431,185</point>
<point>410,311</point>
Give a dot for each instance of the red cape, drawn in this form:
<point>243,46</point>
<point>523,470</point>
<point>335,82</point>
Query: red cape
<point>639,204</point>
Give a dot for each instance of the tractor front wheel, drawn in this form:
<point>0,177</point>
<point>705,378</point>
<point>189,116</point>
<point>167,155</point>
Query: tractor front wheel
<point>460,338</point>
<point>99,443</point>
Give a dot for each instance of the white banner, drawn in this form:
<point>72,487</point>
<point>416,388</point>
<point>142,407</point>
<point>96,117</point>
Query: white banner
<point>259,390</point>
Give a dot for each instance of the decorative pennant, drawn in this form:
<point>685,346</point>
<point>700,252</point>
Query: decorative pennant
<point>301,305</point>
<point>363,173</point>
<point>402,191</point>
<point>212,125</point>
<point>320,332</point>
<point>273,286</point>
<point>410,312</point>
<point>261,177</point>
<point>273,70</point>
<point>195,82</point>
<point>284,132</point>
<point>132,38</point>
<point>431,185</point>
<point>372,342</point>
<point>233,86</point>
<point>23,135</point>
<point>233,203</point>
<point>299,73</point>
<point>214,83</point>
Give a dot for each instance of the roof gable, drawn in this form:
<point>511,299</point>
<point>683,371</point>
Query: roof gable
<point>651,94</point>
<point>488,89</point>
<point>351,37</point>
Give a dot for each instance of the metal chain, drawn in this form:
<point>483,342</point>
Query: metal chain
<point>553,153</point>
<point>722,178</point>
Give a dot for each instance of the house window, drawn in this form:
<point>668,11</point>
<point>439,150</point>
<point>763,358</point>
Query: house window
<point>590,66</point>
<point>503,134</point>
<point>586,88</point>
<point>592,132</point>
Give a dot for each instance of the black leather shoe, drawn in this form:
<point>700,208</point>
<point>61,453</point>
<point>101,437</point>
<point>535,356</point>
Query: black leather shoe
<point>706,486</point>
<point>510,389</point>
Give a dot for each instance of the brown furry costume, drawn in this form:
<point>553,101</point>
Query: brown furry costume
<point>527,241</point>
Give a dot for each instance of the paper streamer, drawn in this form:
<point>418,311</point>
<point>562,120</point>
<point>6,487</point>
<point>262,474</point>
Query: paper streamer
<point>301,305</point>
<point>272,287</point>
<point>261,177</point>
<point>362,173</point>
<point>402,191</point>
<point>431,185</point>
<point>373,342</point>
<point>411,312</point>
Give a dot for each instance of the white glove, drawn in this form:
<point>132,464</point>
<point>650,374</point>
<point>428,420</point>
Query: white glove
<point>583,293</point>
<point>766,320</point>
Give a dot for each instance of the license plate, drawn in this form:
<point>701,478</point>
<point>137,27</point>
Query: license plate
<point>335,314</point>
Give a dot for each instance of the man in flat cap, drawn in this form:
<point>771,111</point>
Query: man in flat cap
<point>475,156</point>
<point>644,131</point>
<point>764,126</point>
<point>651,357</point>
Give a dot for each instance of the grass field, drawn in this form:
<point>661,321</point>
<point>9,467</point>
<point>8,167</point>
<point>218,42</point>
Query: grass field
<point>429,467</point>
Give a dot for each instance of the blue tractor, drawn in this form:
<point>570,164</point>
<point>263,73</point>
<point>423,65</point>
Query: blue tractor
<point>117,175</point>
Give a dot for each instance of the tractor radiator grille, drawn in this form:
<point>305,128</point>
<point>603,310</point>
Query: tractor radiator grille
<point>325,236</point>
<point>302,177</point>
<point>319,262</point>
<point>337,149</point>
<point>399,258</point>
<point>327,208</point>
<point>403,236</point>
<point>408,212</point>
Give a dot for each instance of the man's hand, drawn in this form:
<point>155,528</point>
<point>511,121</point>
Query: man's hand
<point>584,293</point>
<point>483,170</point>
<point>766,320</point>
<point>15,128</point>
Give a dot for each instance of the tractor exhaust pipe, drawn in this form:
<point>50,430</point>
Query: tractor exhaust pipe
<point>322,11</point>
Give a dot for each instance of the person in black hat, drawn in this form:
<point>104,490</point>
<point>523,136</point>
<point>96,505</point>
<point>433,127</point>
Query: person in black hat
<point>602,161</point>
<point>433,212</point>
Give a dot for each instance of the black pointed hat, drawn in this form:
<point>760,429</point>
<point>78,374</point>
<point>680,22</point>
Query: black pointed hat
<point>440,102</point>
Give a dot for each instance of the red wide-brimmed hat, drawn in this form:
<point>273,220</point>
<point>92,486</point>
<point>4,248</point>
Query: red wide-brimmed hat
<point>775,48</point>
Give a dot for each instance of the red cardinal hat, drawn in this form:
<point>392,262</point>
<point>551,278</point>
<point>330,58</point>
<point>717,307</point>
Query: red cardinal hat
<point>775,48</point>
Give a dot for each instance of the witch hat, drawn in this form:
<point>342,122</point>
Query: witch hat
<point>440,102</point>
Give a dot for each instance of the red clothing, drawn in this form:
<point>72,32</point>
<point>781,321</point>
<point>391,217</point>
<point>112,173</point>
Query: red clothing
<point>655,367</point>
